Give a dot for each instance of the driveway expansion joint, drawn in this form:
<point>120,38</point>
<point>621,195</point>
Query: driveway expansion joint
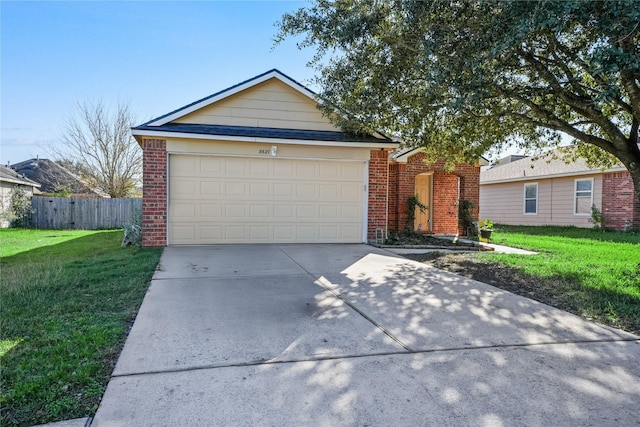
<point>368,355</point>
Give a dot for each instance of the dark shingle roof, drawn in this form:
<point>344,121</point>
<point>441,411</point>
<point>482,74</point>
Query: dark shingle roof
<point>258,132</point>
<point>543,166</point>
<point>9,175</point>
<point>52,177</point>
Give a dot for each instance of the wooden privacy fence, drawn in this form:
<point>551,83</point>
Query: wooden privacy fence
<point>84,213</point>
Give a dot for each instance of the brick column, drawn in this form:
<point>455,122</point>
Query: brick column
<point>378,191</point>
<point>445,203</point>
<point>619,204</point>
<point>154,192</point>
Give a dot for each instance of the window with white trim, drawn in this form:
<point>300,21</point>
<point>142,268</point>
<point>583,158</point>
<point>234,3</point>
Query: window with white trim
<point>583,196</point>
<point>531,199</point>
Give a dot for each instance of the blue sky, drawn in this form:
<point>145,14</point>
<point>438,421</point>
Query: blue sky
<point>155,56</point>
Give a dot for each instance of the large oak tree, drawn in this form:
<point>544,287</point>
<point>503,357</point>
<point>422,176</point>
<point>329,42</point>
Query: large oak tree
<point>461,77</point>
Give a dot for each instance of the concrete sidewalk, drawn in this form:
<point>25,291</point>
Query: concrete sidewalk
<point>354,335</point>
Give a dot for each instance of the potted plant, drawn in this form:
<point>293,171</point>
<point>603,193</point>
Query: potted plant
<point>486,228</point>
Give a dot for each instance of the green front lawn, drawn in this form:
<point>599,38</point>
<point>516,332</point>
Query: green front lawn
<point>597,273</point>
<point>68,298</point>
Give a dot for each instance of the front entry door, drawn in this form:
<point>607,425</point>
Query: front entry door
<point>422,222</point>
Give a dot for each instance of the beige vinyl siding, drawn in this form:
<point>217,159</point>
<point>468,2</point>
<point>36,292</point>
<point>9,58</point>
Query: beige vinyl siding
<point>503,203</point>
<point>271,104</point>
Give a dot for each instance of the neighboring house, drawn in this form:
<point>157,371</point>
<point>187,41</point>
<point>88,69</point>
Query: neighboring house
<point>547,191</point>
<point>9,181</point>
<point>258,163</point>
<point>54,178</point>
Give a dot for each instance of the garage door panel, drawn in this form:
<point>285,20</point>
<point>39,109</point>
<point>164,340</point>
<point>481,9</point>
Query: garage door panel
<point>328,232</point>
<point>184,210</point>
<point>232,189</point>
<point>235,167</point>
<point>213,232</point>
<point>260,189</point>
<point>306,191</point>
<point>260,169</point>
<point>185,188</point>
<point>283,233</point>
<point>260,211</point>
<point>283,212</point>
<point>209,211</point>
<point>264,200</point>
<point>186,165</point>
<point>235,212</point>
<point>259,233</point>
<point>306,171</point>
<point>328,212</point>
<point>210,188</point>
<point>352,212</point>
<point>305,232</point>
<point>307,212</point>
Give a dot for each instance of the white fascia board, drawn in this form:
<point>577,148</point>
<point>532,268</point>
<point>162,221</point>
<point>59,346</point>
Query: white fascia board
<point>159,134</point>
<point>404,158</point>
<point>17,181</point>
<point>556,175</point>
<point>208,101</point>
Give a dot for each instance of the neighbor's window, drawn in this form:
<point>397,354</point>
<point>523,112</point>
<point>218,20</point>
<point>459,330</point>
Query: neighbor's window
<point>531,198</point>
<point>584,196</point>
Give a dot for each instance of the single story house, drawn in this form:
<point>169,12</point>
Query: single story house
<point>54,178</point>
<point>9,181</point>
<point>258,163</point>
<point>548,191</point>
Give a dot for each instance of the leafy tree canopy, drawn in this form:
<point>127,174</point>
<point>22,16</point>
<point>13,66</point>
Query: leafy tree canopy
<point>460,78</point>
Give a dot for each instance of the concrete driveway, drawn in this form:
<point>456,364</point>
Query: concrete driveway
<point>334,335</point>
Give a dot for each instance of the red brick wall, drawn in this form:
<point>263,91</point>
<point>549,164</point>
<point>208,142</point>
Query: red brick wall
<point>619,203</point>
<point>154,192</point>
<point>445,193</point>
<point>378,186</point>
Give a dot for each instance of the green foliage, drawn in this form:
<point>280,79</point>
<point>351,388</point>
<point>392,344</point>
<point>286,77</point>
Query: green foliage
<point>487,225</point>
<point>462,78</point>
<point>597,272</point>
<point>413,202</point>
<point>597,219</point>
<point>62,191</point>
<point>465,218</point>
<point>20,209</point>
<point>68,298</point>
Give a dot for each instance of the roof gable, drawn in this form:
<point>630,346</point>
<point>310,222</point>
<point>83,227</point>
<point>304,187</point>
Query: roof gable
<point>231,91</point>
<point>269,104</point>
<point>268,108</point>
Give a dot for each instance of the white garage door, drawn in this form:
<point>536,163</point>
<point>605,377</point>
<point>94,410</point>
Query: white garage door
<point>264,200</point>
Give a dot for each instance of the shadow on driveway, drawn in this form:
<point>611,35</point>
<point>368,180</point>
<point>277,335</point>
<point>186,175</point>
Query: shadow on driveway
<point>354,335</point>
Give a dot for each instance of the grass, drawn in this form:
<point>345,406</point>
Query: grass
<point>68,298</point>
<point>597,273</point>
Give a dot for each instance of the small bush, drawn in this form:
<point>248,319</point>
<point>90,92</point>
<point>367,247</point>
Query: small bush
<point>20,209</point>
<point>597,219</point>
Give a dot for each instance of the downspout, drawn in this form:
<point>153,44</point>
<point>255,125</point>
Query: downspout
<point>386,208</point>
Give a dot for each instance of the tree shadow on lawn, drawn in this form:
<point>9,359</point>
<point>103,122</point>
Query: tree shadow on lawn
<point>564,291</point>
